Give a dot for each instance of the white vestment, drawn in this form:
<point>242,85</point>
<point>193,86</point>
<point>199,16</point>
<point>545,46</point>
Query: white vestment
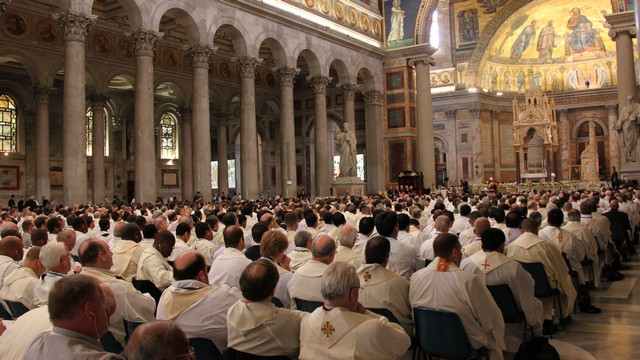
<point>44,286</point>
<point>199,309</point>
<point>227,267</point>
<point>444,286</point>
<point>126,255</point>
<point>382,288</point>
<point>306,282</point>
<point>16,339</point>
<point>206,248</point>
<point>345,254</point>
<point>568,244</point>
<point>299,256</point>
<point>338,334</point>
<point>404,260</point>
<point>154,267</point>
<point>20,286</point>
<point>7,266</point>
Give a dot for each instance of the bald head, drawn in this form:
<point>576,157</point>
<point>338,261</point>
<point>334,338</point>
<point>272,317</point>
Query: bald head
<point>68,238</point>
<point>323,249</point>
<point>12,247</point>
<point>157,337</point>
<point>190,265</point>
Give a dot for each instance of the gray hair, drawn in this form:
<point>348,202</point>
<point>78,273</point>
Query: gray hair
<point>325,250</point>
<point>337,281</point>
<point>573,215</point>
<point>51,254</point>
<point>302,238</point>
<point>347,235</point>
<point>159,342</point>
<point>442,223</point>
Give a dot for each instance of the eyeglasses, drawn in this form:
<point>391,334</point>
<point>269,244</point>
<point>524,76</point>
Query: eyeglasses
<point>191,353</point>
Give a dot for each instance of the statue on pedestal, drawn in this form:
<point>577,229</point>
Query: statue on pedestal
<point>347,141</point>
<point>629,125</point>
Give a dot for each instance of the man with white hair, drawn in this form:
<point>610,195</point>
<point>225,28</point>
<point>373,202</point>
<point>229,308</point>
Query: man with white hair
<point>55,258</point>
<point>306,282</point>
<point>302,251</point>
<point>346,240</point>
<point>343,328</point>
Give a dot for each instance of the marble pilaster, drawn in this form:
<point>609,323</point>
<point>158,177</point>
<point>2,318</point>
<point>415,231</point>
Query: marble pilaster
<point>145,42</point>
<point>288,176</point>
<point>424,113</point>
<point>322,165</point>
<point>223,168</point>
<point>495,127</point>
<point>373,113</point>
<point>75,27</point>
<point>452,150</point>
<point>623,29</point>
<point>476,143</point>
<point>186,152</point>
<point>42,95</point>
<point>250,181</point>
<point>349,94</point>
<point>201,55</point>
<point>564,142</point>
<point>614,137</point>
<point>97,149</point>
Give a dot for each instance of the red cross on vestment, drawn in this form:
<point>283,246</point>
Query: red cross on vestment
<point>485,265</point>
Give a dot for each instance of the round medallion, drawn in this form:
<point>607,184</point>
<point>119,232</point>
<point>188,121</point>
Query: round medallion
<point>48,31</point>
<point>338,10</point>
<point>376,28</point>
<point>15,25</point>
<point>170,58</point>
<point>325,6</point>
<point>126,49</point>
<point>364,22</point>
<point>102,43</point>
<point>310,3</point>
<point>352,17</point>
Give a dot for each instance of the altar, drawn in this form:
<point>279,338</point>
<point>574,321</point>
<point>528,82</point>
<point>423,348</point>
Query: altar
<point>534,176</point>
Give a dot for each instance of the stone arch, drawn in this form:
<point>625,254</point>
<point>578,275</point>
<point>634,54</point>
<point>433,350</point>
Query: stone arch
<point>312,62</point>
<point>279,53</point>
<point>344,76</point>
<point>180,94</point>
<point>193,24</point>
<point>27,61</point>
<point>368,79</point>
<point>137,11</point>
<point>216,100</point>
<point>128,74</point>
<point>424,19</point>
<point>580,123</point>
<point>17,92</point>
<point>53,72</point>
<point>237,32</point>
<point>331,115</point>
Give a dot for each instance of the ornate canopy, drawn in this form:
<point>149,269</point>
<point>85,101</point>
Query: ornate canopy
<point>538,115</point>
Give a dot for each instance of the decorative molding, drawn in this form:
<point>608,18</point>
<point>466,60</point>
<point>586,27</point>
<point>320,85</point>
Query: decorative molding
<point>612,110</point>
<point>185,113</point>
<point>200,54</point>
<point>98,100</point>
<point>451,115</point>
<point>348,91</point>
<point>42,94</point>
<point>75,26</point>
<point>373,97</point>
<point>287,75</point>
<point>144,41</point>
<point>319,83</point>
<point>621,22</point>
<point>247,66</point>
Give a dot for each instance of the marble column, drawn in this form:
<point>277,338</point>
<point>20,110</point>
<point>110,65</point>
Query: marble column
<point>349,94</point>
<point>373,114</point>
<point>322,165</point>
<point>186,153</point>
<point>564,141</point>
<point>288,177</point>
<point>42,96</point>
<point>623,28</point>
<point>75,27</point>
<point>97,149</point>
<point>614,137</point>
<point>476,143</point>
<point>496,145</point>
<point>201,55</point>
<point>144,144</point>
<point>250,182</point>
<point>452,150</point>
<point>426,153</point>
<point>222,119</point>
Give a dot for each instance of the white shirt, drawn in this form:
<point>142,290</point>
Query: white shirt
<point>20,286</point>
<point>227,267</point>
<point>7,266</point>
<point>154,267</point>
<point>403,259</point>
<point>44,286</point>
<point>206,248</point>
<point>16,339</point>
<point>179,248</point>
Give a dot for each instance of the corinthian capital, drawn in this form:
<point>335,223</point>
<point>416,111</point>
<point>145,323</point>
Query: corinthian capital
<point>42,94</point>
<point>200,54</point>
<point>373,97</point>
<point>145,41</point>
<point>247,66</point>
<point>348,91</point>
<point>319,83</point>
<point>75,26</point>
<point>287,75</point>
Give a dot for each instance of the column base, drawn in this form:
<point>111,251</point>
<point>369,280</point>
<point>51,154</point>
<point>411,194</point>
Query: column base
<point>346,186</point>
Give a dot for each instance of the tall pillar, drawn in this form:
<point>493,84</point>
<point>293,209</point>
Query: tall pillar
<point>623,28</point>
<point>186,153</point>
<point>373,147</point>
<point>323,182</point>
<point>97,149</point>
<point>349,94</point>
<point>614,137</point>
<point>288,176</point>
<point>201,54</point>
<point>74,166</point>
<point>42,96</point>
<point>250,182</point>
<point>476,143</point>
<point>497,145</point>
<point>564,141</point>
<point>452,150</point>
<point>144,141</point>
<point>223,168</point>
<point>426,153</point>
<point>518,170</point>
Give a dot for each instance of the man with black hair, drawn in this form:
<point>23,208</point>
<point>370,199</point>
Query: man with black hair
<point>198,308</point>
<point>204,244</point>
<point>366,227</point>
<point>96,260</point>
<point>382,288</point>
<point>54,226</point>
<point>529,247</point>
<point>258,229</point>
<point>495,268</point>
<point>228,265</point>
<point>254,324</point>
<point>584,235</point>
<point>404,259</point>
<point>444,286</point>
<point>481,225</point>
<point>183,234</point>
<point>291,222</point>
<point>468,236</point>
<point>512,229</point>
<point>127,251</point>
<point>311,220</point>
<point>328,226</point>
<point>461,223</point>
<point>149,233</point>
<point>153,265</point>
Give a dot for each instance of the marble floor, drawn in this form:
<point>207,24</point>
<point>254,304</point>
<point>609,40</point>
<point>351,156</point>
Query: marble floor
<point>609,335</point>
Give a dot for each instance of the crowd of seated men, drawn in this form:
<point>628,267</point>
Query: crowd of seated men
<point>303,278</point>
